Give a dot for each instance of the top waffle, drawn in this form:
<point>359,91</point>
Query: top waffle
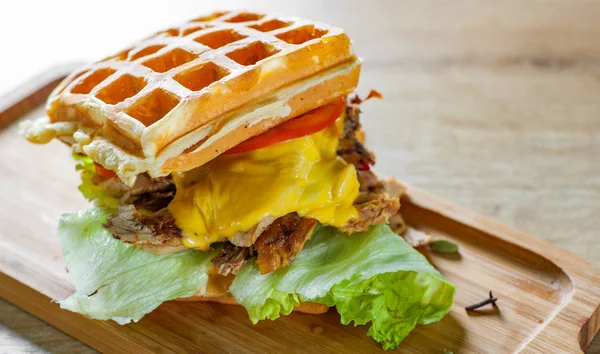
<point>179,98</point>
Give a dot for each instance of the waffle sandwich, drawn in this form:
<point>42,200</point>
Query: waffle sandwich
<point>182,96</point>
<point>228,152</point>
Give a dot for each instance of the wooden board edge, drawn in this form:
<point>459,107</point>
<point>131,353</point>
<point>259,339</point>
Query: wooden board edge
<point>579,318</point>
<point>32,93</point>
<point>586,321</point>
<point>589,329</point>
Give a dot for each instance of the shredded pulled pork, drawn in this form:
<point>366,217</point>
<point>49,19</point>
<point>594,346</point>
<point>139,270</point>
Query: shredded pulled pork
<point>144,186</point>
<point>370,186</point>
<point>350,148</point>
<point>276,247</point>
<point>155,232</point>
<point>279,244</point>
<point>416,238</point>
<point>230,259</point>
<point>373,203</point>
<point>154,201</point>
<point>395,189</point>
<point>246,239</point>
<point>374,212</point>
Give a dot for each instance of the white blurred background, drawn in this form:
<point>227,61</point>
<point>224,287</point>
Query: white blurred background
<point>37,34</point>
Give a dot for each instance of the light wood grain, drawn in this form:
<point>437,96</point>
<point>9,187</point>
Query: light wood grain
<point>19,330</point>
<point>490,104</point>
<point>549,296</point>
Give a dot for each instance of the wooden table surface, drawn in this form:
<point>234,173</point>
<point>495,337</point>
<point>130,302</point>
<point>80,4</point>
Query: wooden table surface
<point>493,105</point>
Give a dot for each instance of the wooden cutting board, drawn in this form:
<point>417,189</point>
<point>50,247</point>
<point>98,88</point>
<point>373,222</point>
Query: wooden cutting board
<point>548,297</point>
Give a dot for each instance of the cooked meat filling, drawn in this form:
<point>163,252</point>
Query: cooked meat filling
<point>155,232</point>
<point>275,242</point>
<point>230,259</point>
<point>150,193</point>
<point>279,244</point>
<point>373,212</point>
<point>370,186</point>
<point>373,204</point>
<point>246,239</point>
<point>350,148</point>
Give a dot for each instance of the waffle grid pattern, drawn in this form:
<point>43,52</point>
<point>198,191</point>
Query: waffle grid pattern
<point>180,97</point>
<point>141,85</point>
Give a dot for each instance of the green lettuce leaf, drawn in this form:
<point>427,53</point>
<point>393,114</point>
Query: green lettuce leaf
<point>88,188</point>
<point>372,276</point>
<point>118,281</point>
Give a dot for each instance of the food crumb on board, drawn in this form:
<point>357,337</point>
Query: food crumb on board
<point>317,330</point>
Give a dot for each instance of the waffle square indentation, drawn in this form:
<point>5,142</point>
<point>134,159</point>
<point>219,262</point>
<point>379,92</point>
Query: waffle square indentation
<point>169,60</point>
<point>200,76</point>
<point>122,88</point>
<point>252,53</point>
<point>86,85</point>
<point>270,25</point>
<point>302,34</point>
<point>152,107</point>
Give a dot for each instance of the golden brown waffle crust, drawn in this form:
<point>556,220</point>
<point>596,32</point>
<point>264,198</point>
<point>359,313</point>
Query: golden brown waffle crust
<point>179,98</point>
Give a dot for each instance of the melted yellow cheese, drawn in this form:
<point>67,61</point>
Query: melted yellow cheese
<point>233,193</point>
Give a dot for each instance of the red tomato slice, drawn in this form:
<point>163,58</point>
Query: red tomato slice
<point>104,172</point>
<point>306,124</point>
